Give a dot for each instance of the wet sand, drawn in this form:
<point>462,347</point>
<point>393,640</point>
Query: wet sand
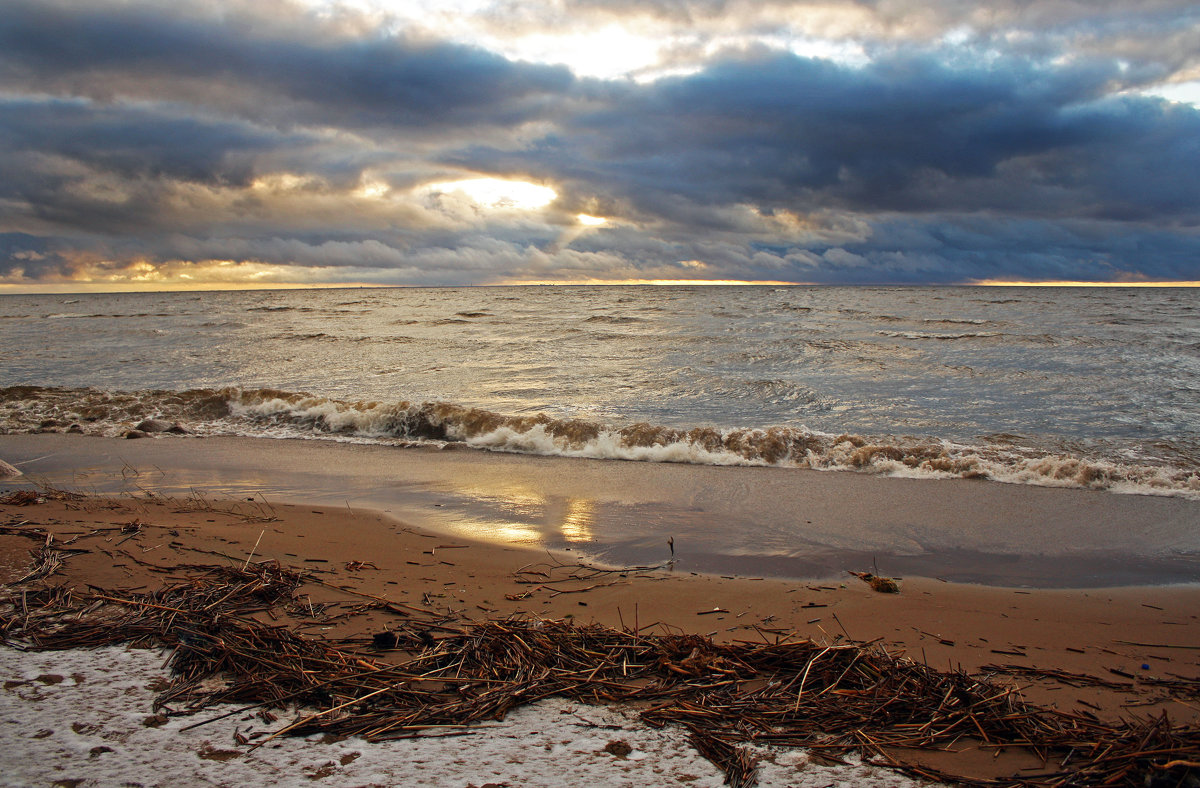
<point>768,522</point>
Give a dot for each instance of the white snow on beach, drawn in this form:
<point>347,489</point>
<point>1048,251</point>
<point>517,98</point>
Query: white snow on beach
<point>79,718</point>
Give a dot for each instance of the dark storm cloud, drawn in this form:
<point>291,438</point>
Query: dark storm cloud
<point>274,72</point>
<point>1016,170</point>
<point>135,142</point>
<point>134,134</point>
<point>905,135</point>
<point>958,248</point>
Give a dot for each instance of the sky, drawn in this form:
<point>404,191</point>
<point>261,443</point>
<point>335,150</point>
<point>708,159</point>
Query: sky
<point>264,143</point>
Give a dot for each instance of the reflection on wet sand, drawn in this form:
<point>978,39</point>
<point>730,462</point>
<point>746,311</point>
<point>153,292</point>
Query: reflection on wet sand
<point>516,513</point>
<point>578,519</point>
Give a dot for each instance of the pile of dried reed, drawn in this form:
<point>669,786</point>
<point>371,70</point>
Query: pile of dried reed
<point>831,698</point>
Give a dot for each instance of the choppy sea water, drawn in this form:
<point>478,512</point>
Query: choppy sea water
<point>1052,386</point>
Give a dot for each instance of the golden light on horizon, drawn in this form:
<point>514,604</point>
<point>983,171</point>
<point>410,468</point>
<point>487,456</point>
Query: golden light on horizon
<point>497,192</point>
<point>660,282</point>
<point>1073,283</point>
<point>147,276</point>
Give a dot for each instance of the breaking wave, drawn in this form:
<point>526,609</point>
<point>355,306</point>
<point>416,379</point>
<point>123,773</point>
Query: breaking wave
<point>932,335</point>
<point>274,413</point>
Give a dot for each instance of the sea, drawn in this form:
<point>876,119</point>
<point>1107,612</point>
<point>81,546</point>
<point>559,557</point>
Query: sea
<point>1066,387</point>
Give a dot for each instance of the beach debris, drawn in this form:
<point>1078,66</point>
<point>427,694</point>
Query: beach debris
<point>46,561</point>
<point>833,699</point>
<point>130,530</point>
<point>8,471</point>
<point>618,747</point>
<point>41,494</point>
<point>557,577</point>
<point>740,767</point>
<point>884,585</point>
<point>21,498</point>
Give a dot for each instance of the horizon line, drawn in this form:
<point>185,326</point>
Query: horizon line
<point>108,288</point>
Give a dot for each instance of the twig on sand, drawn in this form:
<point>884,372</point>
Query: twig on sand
<point>252,549</point>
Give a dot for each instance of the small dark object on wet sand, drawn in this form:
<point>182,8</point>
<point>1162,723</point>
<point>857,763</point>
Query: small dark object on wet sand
<point>385,640</point>
<point>884,585</point>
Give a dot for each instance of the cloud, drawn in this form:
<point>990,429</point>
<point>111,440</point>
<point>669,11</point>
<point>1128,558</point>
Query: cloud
<point>904,134</point>
<point>261,64</point>
<point>270,143</point>
<point>1157,40</point>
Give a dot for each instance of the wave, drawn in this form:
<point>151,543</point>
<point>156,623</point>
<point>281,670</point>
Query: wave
<point>80,315</point>
<point>933,335</point>
<point>615,320</point>
<point>275,413</point>
<point>956,321</point>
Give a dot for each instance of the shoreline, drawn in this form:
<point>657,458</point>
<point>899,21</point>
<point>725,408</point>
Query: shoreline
<point>771,522</point>
<point>1154,469</point>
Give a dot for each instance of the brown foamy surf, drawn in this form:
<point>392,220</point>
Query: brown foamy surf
<point>276,413</point>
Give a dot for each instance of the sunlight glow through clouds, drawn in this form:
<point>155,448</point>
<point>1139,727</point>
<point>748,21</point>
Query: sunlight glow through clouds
<point>372,189</point>
<point>610,52</point>
<point>279,182</point>
<point>1182,92</point>
<point>607,52</point>
<point>497,192</point>
<point>638,46</point>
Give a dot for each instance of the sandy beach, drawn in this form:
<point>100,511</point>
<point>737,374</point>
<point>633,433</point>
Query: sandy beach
<point>1112,651</point>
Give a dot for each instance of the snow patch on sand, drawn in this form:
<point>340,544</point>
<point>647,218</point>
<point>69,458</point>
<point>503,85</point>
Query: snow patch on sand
<point>80,718</point>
